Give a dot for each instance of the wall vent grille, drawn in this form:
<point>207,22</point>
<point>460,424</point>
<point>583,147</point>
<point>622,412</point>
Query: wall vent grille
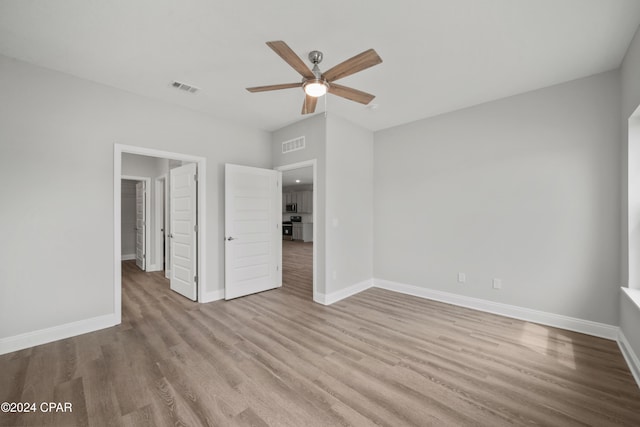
<point>293,145</point>
<point>185,87</point>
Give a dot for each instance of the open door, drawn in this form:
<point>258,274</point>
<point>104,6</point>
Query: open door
<point>253,236</point>
<point>141,256</point>
<point>183,230</point>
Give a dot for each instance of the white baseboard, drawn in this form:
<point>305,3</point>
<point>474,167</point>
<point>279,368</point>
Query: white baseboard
<point>630,356</point>
<point>128,257</point>
<point>213,296</point>
<point>153,267</point>
<point>55,333</point>
<point>588,327</point>
<point>328,299</point>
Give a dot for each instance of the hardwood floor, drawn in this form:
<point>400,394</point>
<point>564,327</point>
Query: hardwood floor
<point>297,268</point>
<point>278,359</point>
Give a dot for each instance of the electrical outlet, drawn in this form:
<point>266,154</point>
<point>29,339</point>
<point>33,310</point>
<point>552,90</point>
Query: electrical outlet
<point>497,283</point>
<point>462,278</point>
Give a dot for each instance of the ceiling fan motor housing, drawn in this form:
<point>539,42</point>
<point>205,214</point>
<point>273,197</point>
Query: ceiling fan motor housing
<point>315,56</point>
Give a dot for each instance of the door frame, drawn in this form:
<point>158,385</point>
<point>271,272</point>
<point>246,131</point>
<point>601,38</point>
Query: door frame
<point>160,207</point>
<point>304,164</point>
<point>147,216</point>
<point>118,150</point>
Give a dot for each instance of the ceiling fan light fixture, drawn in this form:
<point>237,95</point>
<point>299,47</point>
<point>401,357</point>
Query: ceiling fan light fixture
<point>316,87</point>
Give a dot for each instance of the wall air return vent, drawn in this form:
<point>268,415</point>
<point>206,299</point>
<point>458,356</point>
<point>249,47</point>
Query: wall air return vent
<point>293,145</point>
<point>185,87</point>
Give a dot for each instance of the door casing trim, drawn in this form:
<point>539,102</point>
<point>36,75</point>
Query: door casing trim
<point>118,150</point>
<point>314,164</point>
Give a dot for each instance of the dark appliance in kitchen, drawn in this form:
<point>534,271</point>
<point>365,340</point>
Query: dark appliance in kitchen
<point>287,227</point>
<point>291,208</point>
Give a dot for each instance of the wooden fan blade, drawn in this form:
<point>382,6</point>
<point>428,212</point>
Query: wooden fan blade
<point>290,57</point>
<point>273,87</point>
<point>309,105</point>
<point>351,94</point>
<point>360,62</point>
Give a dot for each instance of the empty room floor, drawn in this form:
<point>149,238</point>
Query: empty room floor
<point>297,268</point>
<point>278,359</point>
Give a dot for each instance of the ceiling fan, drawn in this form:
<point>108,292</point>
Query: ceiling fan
<point>315,83</point>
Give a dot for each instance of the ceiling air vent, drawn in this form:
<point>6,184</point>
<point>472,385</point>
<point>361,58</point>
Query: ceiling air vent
<point>185,87</point>
<point>293,145</point>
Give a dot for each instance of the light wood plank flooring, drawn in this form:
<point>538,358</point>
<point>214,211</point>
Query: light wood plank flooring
<point>278,359</point>
<point>297,268</point>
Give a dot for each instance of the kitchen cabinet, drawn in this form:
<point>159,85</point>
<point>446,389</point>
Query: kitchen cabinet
<point>303,199</point>
<point>303,231</point>
<point>297,231</point>
<point>307,232</point>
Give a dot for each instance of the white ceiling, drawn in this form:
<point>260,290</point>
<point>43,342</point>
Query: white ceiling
<point>305,175</point>
<point>439,56</point>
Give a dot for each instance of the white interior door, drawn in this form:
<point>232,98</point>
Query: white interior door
<point>183,230</point>
<point>141,256</point>
<point>253,235</point>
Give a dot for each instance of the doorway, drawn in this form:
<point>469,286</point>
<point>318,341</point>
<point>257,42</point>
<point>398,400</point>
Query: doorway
<point>161,207</point>
<point>135,224</point>
<point>299,202</point>
<point>199,193</point>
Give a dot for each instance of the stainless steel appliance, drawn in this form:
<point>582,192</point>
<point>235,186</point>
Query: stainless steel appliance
<point>287,230</point>
<point>291,208</point>
<point>287,227</point>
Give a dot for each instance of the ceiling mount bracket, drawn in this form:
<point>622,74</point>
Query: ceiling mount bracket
<point>315,56</point>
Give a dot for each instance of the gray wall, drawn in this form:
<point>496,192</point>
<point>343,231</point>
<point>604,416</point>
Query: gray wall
<point>349,204</point>
<point>629,321</point>
<point>128,217</point>
<point>58,137</point>
<point>314,131</point>
<point>525,189</point>
<point>344,219</point>
<point>630,89</point>
<point>152,168</point>
<point>629,71</point>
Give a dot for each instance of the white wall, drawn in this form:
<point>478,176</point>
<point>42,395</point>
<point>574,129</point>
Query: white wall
<point>525,189</point>
<point>349,204</point>
<point>58,136</point>
<point>314,131</point>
